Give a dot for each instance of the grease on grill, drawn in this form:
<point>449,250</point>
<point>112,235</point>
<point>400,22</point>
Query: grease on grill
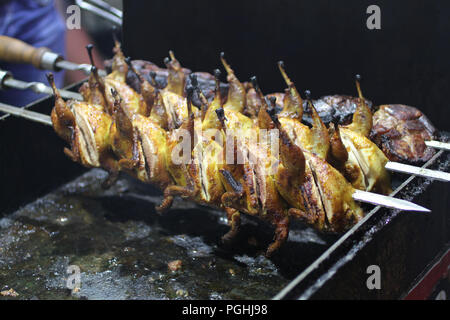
<point>123,248</point>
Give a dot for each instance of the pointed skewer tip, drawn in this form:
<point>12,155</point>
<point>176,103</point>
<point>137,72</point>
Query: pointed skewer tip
<point>387,201</point>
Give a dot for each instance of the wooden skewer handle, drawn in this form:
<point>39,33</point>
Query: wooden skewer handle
<point>17,51</point>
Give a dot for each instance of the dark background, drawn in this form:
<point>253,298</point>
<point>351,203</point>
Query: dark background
<point>323,43</point>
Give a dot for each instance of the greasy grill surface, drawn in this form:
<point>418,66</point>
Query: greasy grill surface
<point>123,246</point>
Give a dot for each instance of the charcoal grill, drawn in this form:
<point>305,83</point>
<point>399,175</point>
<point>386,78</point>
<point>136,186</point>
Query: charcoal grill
<point>310,266</point>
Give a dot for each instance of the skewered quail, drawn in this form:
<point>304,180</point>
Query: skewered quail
<point>136,128</point>
<point>401,131</point>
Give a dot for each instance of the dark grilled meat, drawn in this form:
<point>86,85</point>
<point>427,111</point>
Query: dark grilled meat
<point>401,131</point>
<point>335,108</point>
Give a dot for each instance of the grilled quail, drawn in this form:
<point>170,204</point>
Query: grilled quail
<point>401,131</point>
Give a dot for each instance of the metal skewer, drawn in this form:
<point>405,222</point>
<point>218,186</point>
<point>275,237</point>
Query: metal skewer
<point>16,51</point>
<point>387,201</point>
<point>84,67</point>
<point>363,196</point>
<point>422,172</point>
<point>438,145</point>
<point>7,81</point>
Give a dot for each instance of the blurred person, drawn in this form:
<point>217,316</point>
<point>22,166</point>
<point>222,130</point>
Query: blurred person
<point>78,39</point>
<point>40,24</point>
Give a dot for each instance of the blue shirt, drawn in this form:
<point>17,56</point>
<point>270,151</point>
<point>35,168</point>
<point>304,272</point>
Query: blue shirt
<point>38,23</point>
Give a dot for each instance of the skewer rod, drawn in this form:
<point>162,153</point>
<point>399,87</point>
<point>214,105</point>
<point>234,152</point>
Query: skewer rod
<point>39,87</point>
<point>438,145</point>
<point>387,201</point>
<point>85,68</point>
<point>422,172</point>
